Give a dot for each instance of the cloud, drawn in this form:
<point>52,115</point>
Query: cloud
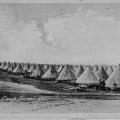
<point>89,36</point>
<point>82,37</point>
<point>22,41</point>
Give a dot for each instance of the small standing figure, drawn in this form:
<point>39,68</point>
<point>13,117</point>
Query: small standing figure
<point>114,86</point>
<point>102,84</point>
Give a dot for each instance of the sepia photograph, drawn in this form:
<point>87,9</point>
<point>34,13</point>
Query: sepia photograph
<point>59,58</point>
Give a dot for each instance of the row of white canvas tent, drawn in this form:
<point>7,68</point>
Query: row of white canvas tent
<point>82,74</point>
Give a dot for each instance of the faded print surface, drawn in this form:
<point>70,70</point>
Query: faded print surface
<point>79,33</point>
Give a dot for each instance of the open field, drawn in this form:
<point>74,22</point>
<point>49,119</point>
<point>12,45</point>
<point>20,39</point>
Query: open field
<point>11,89</point>
<point>23,101</point>
<point>52,104</point>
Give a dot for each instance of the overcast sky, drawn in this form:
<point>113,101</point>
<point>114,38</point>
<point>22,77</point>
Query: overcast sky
<point>60,33</point>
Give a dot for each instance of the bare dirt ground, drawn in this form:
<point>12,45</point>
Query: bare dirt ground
<point>47,104</point>
<point>52,104</point>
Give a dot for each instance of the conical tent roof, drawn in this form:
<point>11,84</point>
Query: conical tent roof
<point>114,79</point>
<point>51,73</point>
<point>42,68</point>
<point>84,67</point>
<point>76,67</point>
<point>55,66</point>
<point>88,77</point>
<point>72,67</point>
<point>23,64</point>
<point>14,65</point>
<point>105,67</point>
<point>18,69</point>
<point>92,67</point>
<point>7,66</point>
<point>3,65</point>
<point>114,67</point>
<point>66,74</point>
<point>38,71</point>
<point>79,71</point>
<point>95,68</point>
<point>102,74</point>
<point>27,67</point>
<point>11,68</point>
<point>45,66</point>
<point>32,68</point>
<point>109,71</point>
<point>59,69</point>
<point>111,68</point>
